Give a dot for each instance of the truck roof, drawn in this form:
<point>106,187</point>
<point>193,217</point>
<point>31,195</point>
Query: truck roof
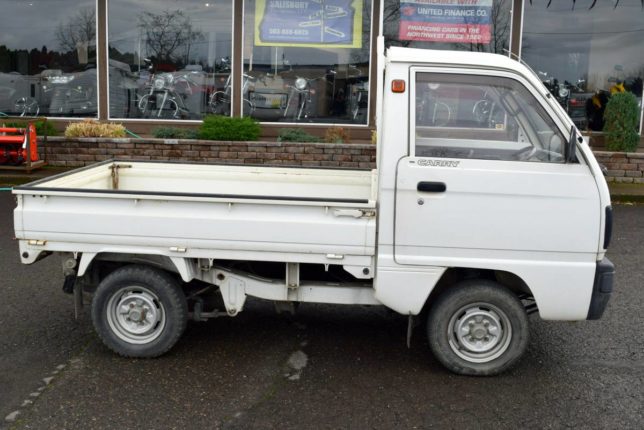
<point>457,58</point>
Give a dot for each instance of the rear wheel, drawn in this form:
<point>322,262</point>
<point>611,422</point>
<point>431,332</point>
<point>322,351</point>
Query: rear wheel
<point>477,327</point>
<point>139,311</point>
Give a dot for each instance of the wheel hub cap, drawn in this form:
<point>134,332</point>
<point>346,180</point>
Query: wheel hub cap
<point>479,332</point>
<point>136,315</point>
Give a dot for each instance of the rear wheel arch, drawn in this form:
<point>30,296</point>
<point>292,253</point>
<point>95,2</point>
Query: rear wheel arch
<point>96,266</point>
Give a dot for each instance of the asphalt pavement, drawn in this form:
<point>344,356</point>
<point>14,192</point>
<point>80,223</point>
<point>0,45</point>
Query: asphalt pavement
<point>326,367</point>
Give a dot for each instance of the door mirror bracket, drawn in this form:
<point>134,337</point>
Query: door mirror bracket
<point>571,146</point>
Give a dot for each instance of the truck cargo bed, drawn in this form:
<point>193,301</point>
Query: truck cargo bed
<point>213,211</point>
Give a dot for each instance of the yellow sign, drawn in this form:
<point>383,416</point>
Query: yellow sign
<point>309,23</point>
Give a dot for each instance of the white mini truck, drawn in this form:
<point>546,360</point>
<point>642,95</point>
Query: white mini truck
<point>486,205</point>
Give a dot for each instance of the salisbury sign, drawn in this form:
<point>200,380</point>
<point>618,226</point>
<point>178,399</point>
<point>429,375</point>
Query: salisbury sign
<point>313,23</point>
<point>449,21</point>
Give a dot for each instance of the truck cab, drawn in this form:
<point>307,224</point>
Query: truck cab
<point>482,176</point>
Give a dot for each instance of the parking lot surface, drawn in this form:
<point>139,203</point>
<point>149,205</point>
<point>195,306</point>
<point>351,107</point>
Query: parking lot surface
<point>326,367</point>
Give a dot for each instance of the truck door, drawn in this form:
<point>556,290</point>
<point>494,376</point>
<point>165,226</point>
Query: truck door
<point>486,175</point>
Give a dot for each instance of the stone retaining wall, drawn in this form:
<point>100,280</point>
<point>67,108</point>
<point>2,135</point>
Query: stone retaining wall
<point>67,152</point>
<point>622,167</point>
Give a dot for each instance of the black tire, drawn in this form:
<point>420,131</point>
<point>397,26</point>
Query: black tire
<point>219,103</point>
<point>492,323</point>
<point>139,311</point>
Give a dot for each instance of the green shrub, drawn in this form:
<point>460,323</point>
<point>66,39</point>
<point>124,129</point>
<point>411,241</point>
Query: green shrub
<point>175,133</point>
<point>621,120</point>
<point>295,135</point>
<point>191,133</point>
<point>216,127</point>
<point>167,133</point>
<point>92,128</point>
<point>42,127</point>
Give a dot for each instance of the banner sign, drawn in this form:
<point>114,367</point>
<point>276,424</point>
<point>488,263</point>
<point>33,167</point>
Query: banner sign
<point>448,21</point>
<point>313,23</point>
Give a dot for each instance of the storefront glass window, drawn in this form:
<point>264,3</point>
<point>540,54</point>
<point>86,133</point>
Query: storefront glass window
<point>307,60</point>
<point>585,50</point>
<point>476,25</point>
<point>48,58</point>
<point>168,58</point>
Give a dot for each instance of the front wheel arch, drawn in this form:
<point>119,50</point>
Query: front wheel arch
<point>454,275</point>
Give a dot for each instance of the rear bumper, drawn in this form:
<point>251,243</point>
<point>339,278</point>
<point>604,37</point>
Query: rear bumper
<point>602,288</point>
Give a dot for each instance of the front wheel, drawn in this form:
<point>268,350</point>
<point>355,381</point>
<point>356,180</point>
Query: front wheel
<point>477,327</point>
<point>219,103</point>
<point>139,311</point>
<point>27,106</point>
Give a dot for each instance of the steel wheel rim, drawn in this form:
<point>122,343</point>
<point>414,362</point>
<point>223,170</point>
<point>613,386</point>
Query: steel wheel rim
<point>479,332</point>
<point>136,315</point>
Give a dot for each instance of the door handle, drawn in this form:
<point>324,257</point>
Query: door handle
<point>431,187</point>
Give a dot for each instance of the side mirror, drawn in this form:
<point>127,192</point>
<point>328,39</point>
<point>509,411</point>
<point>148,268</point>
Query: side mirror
<point>571,146</point>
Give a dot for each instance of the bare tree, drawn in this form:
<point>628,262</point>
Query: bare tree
<point>79,29</point>
<point>169,35</point>
<point>500,26</point>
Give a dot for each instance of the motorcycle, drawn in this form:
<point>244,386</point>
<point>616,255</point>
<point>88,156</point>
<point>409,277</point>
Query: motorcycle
<point>165,95</point>
<point>219,101</point>
<point>560,91</point>
<point>300,98</point>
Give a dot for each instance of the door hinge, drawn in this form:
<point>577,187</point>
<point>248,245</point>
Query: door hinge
<point>177,249</point>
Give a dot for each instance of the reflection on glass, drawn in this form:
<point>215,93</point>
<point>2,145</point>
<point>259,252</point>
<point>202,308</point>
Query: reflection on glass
<point>307,61</point>
<point>168,59</point>
<point>48,58</point>
<point>586,53</point>
<point>482,117</point>
<point>478,25</point>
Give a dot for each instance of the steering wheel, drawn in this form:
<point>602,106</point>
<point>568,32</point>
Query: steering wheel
<point>529,152</point>
<point>524,154</point>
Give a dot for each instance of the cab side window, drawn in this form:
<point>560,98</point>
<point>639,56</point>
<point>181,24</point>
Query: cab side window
<point>482,117</point>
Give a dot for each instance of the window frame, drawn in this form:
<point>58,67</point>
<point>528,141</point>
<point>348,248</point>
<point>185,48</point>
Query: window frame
<point>414,71</point>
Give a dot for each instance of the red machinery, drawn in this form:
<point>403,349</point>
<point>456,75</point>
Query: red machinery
<point>16,144</point>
